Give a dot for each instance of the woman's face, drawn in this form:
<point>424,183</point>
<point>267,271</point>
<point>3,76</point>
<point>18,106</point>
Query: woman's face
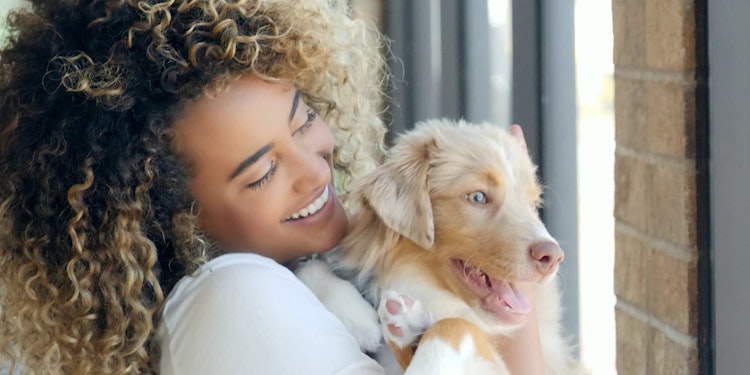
<point>262,167</point>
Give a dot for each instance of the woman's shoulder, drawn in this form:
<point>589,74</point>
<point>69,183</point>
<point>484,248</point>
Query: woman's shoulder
<point>234,261</point>
<point>236,278</point>
<point>245,313</point>
<point>247,266</point>
<point>234,300</point>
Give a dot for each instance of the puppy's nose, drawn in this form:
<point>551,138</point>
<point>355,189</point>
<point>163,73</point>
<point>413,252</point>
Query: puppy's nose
<point>546,256</point>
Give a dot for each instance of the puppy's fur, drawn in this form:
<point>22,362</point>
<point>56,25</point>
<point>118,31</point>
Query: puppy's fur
<point>450,221</point>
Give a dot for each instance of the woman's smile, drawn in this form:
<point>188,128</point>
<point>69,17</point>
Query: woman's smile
<point>311,209</point>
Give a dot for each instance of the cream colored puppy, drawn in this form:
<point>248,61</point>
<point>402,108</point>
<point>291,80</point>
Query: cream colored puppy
<point>447,228</point>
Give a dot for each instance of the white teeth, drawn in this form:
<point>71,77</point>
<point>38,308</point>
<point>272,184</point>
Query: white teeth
<point>313,207</point>
<point>487,280</point>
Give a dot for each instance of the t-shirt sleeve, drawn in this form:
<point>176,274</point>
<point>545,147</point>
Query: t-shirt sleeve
<point>251,319</point>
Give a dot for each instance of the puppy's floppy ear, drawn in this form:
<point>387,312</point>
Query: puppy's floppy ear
<point>398,191</point>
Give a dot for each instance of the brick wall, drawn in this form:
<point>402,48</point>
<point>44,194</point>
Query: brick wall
<point>656,186</point>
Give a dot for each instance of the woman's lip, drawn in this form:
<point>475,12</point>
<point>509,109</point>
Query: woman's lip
<point>323,211</point>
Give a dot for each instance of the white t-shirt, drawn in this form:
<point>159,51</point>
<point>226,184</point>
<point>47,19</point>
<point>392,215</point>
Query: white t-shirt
<point>246,314</point>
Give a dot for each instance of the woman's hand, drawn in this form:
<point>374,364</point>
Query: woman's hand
<point>523,352</point>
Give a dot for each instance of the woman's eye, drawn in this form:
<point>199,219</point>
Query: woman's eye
<point>477,197</point>
<point>311,115</point>
<point>262,181</point>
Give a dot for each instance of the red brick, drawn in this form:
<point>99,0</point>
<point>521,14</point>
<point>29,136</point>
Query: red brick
<point>670,115</point>
<point>667,357</point>
<point>630,113</point>
<point>656,197</point>
<point>632,260</point>
<point>670,35</point>
<point>673,292</point>
<point>632,344</point>
<point>629,29</point>
<point>631,180</point>
<point>656,116</point>
<point>671,204</point>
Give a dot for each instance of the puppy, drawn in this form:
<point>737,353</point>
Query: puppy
<point>447,228</point>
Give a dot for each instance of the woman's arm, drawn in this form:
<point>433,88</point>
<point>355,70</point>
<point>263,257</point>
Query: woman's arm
<point>522,352</point>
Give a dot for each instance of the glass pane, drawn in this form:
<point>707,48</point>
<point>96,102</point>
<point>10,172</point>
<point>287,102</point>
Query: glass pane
<point>596,148</point>
<point>488,61</point>
<point>501,60</point>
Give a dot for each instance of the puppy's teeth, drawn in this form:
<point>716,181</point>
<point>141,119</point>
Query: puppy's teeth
<point>487,280</point>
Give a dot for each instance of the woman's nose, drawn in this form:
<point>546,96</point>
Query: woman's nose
<point>312,173</point>
<point>313,164</point>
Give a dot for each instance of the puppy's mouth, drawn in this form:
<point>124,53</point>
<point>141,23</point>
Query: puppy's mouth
<point>499,297</point>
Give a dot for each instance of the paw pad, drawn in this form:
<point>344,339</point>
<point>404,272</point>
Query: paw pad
<point>403,319</point>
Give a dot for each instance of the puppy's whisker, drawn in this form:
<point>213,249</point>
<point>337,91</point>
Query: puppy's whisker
<point>469,260</point>
<point>482,264</point>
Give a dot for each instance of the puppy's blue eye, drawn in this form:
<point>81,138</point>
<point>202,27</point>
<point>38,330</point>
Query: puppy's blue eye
<point>477,197</point>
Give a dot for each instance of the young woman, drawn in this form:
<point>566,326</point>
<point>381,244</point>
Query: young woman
<point>144,142</point>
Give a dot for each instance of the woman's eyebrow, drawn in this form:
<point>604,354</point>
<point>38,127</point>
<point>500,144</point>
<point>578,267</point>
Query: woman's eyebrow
<point>251,160</point>
<point>295,103</point>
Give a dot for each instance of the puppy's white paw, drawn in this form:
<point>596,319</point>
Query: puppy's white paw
<point>359,318</point>
<point>402,319</point>
<point>342,299</point>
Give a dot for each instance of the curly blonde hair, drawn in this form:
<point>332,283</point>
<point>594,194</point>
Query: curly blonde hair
<point>96,220</point>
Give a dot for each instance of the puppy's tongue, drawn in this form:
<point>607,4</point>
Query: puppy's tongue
<point>504,297</point>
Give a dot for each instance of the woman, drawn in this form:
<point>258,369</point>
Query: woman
<point>146,141</point>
